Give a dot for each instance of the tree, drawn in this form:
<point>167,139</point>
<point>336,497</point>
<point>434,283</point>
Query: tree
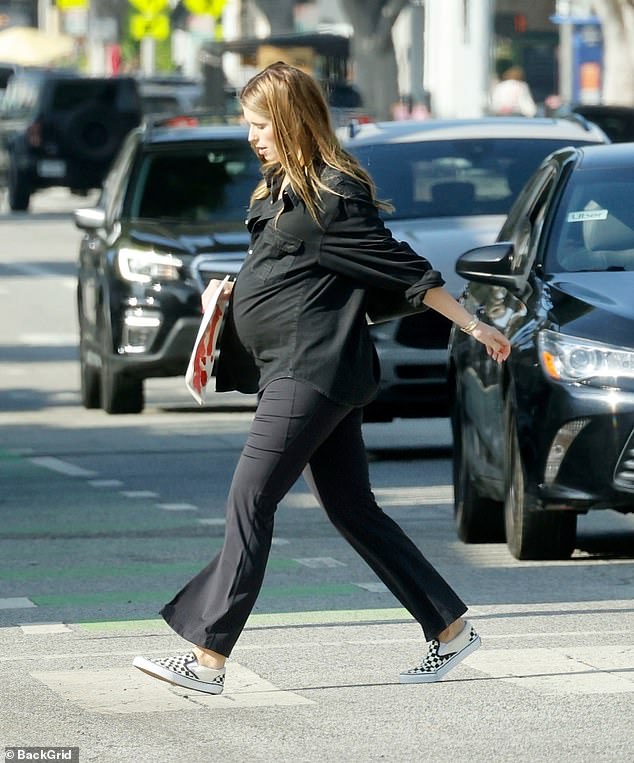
<point>279,14</point>
<point>373,54</point>
<point>617,21</point>
<point>376,72</point>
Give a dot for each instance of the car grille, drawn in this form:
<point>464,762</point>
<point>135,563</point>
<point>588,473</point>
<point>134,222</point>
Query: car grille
<point>624,473</point>
<point>206,267</point>
<point>428,330</point>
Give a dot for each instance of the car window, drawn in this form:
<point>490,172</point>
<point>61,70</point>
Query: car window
<point>594,225</point>
<point>454,177</point>
<point>159,104</point>
<point>114,185</point>
<point>526,218</point>
<point>193,184</point>
<point>67,95</point>
<point>20,96</point>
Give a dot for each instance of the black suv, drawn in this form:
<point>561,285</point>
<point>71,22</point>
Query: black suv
<point>61,129</point>
<point>170,218</point>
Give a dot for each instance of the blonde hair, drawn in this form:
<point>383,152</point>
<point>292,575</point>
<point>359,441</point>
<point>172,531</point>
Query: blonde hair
<point>304,138</point>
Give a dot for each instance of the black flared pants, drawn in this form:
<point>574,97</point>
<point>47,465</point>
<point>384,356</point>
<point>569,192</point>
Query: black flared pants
<point>295,430</point>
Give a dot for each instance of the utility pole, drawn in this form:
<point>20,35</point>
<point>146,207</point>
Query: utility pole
<point>417,50</point>
<point>479,23</point>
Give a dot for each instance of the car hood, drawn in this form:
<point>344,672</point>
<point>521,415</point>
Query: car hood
<point>442,240</point>
<point>593,305</point>
<point>187,239</point>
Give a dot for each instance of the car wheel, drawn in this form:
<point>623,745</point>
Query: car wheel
<point>531,532</point>
<point>19,190</point>
<point>120,393</point>
<point>478,519</point>
<point>90,379</point>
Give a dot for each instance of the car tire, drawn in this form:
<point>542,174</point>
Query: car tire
<point>18,190</point>
<point>120,393</point>
<point>90,379</point>
<point>478,519</point>
<point>531,532</point>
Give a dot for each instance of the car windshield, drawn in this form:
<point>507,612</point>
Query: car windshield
<point>594,226</point>
<point>198,184</point>
<point>453,178</point>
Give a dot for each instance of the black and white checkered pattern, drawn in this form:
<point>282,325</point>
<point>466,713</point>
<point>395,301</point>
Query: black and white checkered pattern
<point>435,665</point>
<point>179,664</point>
<point>183,670</point>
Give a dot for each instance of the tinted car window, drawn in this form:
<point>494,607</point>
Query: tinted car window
<point>454,177</point>
<point>200,184</point>
<point>5,74</point>
<point>66,95</point>
<point>594,226</point>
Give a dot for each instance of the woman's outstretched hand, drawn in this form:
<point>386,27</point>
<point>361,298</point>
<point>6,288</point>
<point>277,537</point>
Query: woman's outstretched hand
<point>211,288</point>
<point>497,345</point>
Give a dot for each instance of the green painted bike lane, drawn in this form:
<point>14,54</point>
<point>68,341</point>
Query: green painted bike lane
<point>82,554</point>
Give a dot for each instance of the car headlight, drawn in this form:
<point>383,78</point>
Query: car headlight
<point>570,359</point>
<point>145,265</point>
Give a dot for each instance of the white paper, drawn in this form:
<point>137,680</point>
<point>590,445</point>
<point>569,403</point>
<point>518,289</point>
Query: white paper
<point>587,214</point>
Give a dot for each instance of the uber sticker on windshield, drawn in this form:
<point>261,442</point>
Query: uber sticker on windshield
<point>587,214</point>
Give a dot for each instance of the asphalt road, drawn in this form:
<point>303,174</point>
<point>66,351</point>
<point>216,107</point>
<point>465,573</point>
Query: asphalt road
<point>104,517</point>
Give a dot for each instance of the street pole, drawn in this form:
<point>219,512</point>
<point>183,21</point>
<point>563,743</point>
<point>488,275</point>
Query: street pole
<point>417,51</point>
<point>148,56</point>
<point>480,25</point>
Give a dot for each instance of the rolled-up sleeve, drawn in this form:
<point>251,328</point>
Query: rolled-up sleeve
<point>357,244</point>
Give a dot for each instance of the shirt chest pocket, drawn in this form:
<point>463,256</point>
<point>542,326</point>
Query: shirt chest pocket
<point>276,253</point>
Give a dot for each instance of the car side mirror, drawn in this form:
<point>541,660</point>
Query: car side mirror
<point>492,264</point>
<point>90,218</point>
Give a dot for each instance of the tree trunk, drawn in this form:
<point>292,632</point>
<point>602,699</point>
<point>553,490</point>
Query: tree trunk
<point>617,21</point>
<point>279,14</point>
<point>375,70</point>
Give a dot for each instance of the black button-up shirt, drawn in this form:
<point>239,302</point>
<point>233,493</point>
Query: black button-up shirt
<point>298,307</point>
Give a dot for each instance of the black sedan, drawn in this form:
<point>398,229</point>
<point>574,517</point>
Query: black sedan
<point>550,434</point>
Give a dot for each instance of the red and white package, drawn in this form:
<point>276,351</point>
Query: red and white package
<point>198,374</point>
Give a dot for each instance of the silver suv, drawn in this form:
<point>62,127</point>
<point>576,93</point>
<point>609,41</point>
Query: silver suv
<point>452,184</point>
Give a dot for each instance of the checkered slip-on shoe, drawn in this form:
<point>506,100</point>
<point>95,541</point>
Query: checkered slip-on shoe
<point>442,657</point>
<point>184,671</point>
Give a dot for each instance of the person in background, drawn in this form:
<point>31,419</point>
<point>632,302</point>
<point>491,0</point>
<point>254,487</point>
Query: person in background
<point>511,96</point>
<point>296,333</point>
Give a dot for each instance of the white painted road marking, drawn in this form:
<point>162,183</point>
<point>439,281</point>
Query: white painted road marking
<point>48,340</point>
<point>431,495</point>
<point>177,506</point>
<point>20,602</point>
<point>373,587</point>
<point>41,629</point>
<point>127,690</point>
<point>320,561</point>
<point>561,670</point>
<point>63,467</point>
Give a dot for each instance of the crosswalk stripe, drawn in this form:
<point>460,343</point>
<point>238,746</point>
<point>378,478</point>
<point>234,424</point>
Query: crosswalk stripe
<point>561,670</point>
<point>126,691</point>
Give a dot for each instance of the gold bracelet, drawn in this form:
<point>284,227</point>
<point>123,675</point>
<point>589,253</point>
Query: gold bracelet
<point>470,327</point>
